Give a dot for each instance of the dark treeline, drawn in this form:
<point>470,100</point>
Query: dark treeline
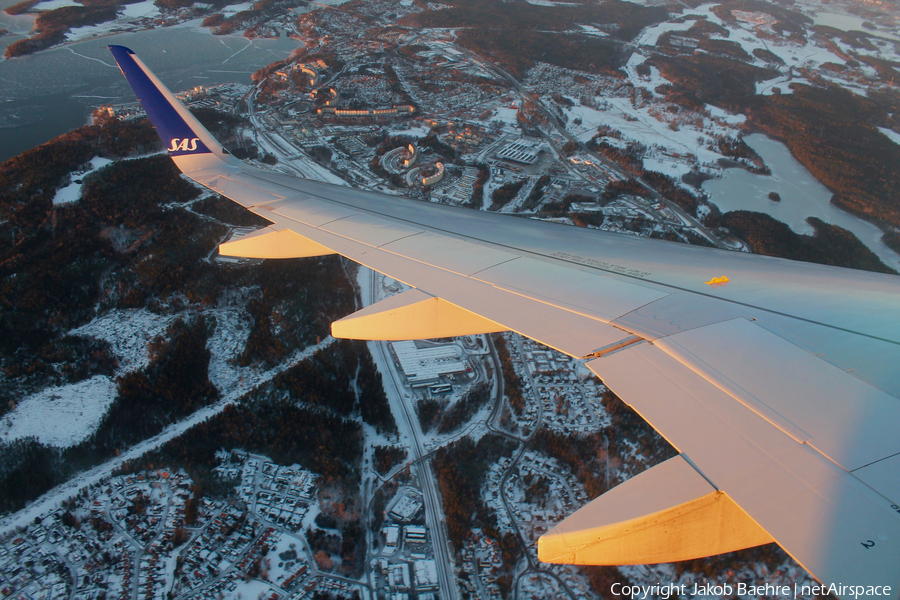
<point>132,242</point>
<point>585,455</point>
<point>461,468</point>
<point>581,454</point>
<point>172,386</point>
<point>328,445</point>
<point>516,50</point>
<point>829,130</point>
<point>227,211</point>
<point>536,193</point>
<point>299,299</point>
<point>512,384</point>
<point>630,18</point>
<point>465,408</point>
<point>832,132</point>
<point>51,26</point>
<point>477,199</point>
<point>429,412</point>
<point>27,470</point>
<point>387,457</point>
<point>505,193</point>
<point>830,245</point>
<point>702,79</point>
<point>433,143</point>
<point>326,379</point>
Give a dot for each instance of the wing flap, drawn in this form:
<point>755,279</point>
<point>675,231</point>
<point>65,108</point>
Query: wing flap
<point>828,520</point>
<point>849,421</point>
<point>882,476</point>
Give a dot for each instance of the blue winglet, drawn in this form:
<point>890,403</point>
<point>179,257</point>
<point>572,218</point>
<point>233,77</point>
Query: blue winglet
<point>180,132</point>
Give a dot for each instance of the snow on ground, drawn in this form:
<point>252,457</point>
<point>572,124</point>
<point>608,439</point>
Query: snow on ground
<point>128,332</point>
<point>851,23</point>
<point>651,82</point>
<point>53,4</point>
<point>236,8</point>
<point>147,8</point>
<point>590,30</point>
<point>418,131</point>
<point>225,344</point>
<point>552,3</point>
<point>72,192</point>
<point>725,116</point>
<point>60,416</point>
<point>893,135</point>
<point>285,542</point>
<point>251,589</point>
<point>506,115</point>
<point>52,499</point>
<point>650,36</point>
<point>671,168</point>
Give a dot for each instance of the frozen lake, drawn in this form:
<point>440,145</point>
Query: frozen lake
<point>801,194</point>
<point>45,94</point>
<point>851,23</point>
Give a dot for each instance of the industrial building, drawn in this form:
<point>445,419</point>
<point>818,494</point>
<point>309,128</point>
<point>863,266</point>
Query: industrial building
<point>424,365</point>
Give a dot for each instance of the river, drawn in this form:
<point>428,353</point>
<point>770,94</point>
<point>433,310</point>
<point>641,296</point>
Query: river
<point>801,194</point>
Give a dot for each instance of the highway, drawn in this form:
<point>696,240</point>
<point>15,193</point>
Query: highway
<point>408,423</point>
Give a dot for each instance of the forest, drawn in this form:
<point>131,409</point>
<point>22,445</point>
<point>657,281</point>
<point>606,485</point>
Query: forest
<point>701,79</point>
<point>624,19</point>
<point>465,408</point>
<point>327,380</point>
<point>51,26</point>
<point>830,245</point>
<point>172,386</point>
<point>138,238</point>
<point>461,468</point>
<point>516,50</point>
<point>512,383</point>
<point>504,194</point>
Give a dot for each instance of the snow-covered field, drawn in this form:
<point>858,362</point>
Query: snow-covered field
<point>128,332</point>
<point>72,192</point>
<point>60,416</point>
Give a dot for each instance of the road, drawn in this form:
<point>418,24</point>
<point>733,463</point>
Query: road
<point>403,409</point>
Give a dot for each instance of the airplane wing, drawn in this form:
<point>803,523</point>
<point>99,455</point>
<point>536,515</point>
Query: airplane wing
<point>777,381</point>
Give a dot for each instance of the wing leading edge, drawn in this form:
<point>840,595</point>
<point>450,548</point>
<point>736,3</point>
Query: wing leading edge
<point>778,388</point>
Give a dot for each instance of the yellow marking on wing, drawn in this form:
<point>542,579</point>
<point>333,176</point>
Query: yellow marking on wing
<point>717,281</point>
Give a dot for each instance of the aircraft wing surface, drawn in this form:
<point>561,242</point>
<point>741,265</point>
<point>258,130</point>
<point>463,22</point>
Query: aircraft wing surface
<point>775,380</point>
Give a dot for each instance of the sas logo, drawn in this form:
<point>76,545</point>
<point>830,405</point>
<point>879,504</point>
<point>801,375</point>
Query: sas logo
<point>183,145</point>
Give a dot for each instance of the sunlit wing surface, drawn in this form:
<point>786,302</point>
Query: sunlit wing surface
<point>777,381</point>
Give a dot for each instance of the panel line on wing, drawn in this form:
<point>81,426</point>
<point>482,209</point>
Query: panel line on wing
<point>577,264</point>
